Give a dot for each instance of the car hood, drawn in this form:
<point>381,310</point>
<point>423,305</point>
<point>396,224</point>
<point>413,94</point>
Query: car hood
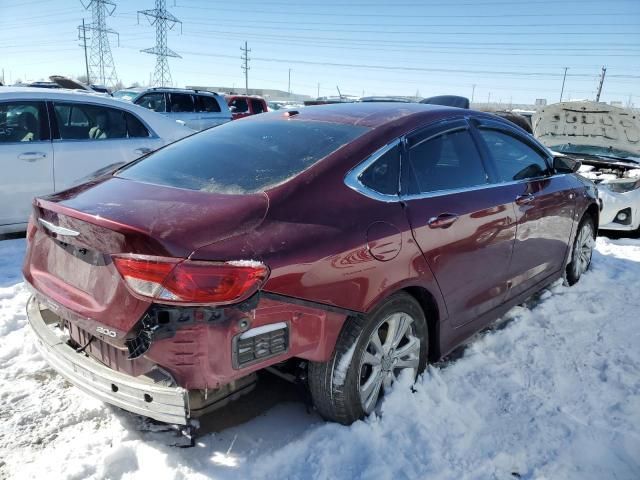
<point>588,124</point>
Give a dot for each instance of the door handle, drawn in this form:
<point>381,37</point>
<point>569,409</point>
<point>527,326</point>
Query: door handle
<point>525,199</point>
<point>444,220</point>
<point>32,156</point>
<point>142,151</point>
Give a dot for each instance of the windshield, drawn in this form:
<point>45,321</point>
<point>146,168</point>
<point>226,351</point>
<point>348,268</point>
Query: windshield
<point>596,150</point>
<point>242,156</point>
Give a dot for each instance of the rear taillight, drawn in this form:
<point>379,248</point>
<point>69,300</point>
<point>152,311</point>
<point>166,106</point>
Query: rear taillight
<point>177,281</point>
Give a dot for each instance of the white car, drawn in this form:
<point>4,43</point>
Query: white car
<point>606,140</point>
<point>197,109</point>
<point>52,139</point>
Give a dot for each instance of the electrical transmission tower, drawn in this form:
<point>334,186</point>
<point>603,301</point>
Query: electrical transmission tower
<point>163,21</point>
<point>245,67</point>
<point>101,68</point>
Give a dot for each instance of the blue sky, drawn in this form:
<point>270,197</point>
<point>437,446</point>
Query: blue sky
<point>511,50</point>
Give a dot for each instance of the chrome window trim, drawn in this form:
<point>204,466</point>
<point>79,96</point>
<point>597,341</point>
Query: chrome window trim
<point>439,133</point>
<point>30,142</point>
<point>440,193</point>
<point>352,178</point>
<point>152,132</point>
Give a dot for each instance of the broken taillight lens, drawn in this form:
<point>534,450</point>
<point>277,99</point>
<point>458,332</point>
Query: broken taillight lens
<point>177,281</point>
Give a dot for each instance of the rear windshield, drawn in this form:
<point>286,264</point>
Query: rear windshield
<point>242,156</point>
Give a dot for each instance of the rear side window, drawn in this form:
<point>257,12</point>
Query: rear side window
<point>153,101</point>
<point>446,162</point>
<point>135,128</point>
<point>89,122</point>
<point>181,102</point>
<point>514,159</point>
<point>23,122</point>
<point>383,175</point>
<point>257,106</point>
<point>242,157</point>
<point>206,103</point>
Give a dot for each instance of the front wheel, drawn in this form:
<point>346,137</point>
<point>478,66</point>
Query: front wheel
<point>370,354</point>
<point>582,251</point>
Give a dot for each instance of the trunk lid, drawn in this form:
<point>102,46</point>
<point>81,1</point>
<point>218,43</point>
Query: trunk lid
<point>69,262</point>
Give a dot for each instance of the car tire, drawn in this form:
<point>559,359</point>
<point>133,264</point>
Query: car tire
<point>343,389</point>
<point>582,250</point>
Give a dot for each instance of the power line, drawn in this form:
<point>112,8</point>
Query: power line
<point>163,21</point>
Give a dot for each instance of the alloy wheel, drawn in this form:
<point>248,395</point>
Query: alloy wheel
<point>392,347</point>
<point>584,249</point>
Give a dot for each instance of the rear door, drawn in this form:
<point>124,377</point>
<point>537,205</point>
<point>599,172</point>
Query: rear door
<point>26,158</point>
<point>209,112</point>
<point>464,224</point>
<point>181,106</point>
<point>92,137</point>
<point>543,202</point>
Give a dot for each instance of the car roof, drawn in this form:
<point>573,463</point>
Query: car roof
<point>58,93</point>
<point>178,90</point>
<point>367,114</point>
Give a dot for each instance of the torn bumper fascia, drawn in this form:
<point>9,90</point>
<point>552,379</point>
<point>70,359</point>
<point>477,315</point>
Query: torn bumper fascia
<point>140,395</point>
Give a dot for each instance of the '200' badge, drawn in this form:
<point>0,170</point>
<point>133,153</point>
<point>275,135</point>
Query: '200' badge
<point>106,331</point>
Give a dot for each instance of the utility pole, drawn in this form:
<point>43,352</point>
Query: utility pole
<point>604,72</point>
<point>82,35</point>
<point>289,88</point>
<point>101,66</point>
<point>317,96</point>
<point>489,98</point>
<point>245,66</point>
<point>563,80</point>
<point>473,91</point>
<point>163,20</point>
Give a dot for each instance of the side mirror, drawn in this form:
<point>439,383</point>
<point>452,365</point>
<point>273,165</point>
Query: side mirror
<point>233,109</point>
<point>566,164</point>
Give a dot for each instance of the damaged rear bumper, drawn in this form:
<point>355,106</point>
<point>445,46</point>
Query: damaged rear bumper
<point>140,395</point>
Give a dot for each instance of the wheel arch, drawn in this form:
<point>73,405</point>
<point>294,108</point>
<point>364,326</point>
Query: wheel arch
<point>431,311</point>
<point>593,210</point>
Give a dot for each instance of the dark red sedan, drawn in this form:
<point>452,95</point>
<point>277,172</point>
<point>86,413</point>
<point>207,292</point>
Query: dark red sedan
<point>342,244</point>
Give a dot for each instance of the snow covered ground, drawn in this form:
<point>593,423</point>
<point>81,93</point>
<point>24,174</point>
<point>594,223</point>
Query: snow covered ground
<point>552,393</point>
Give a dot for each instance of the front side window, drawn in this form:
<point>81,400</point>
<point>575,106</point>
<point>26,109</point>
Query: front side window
<point>21,122</point>
<point>383,174</point>
<point>514,159</point>
<point>206,103</point>
<point>153,101</point>
<point>78,121</point>
<point>448,161</point>
<point>181,102</point>
<point>242,157</point>
<point>239,105</point>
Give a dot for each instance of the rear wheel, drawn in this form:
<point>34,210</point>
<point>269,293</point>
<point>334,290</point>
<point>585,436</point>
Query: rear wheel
<point>582,252</point>
<point>370,354</point>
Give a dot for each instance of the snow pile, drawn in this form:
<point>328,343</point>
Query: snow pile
<point>554,393</point>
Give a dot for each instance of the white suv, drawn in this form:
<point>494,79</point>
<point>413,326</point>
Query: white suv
<point>198,109</point>
<point>51,140</point>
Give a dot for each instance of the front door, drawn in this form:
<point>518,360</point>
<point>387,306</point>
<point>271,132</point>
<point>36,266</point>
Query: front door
<point>464,224</point>
<point>543,203</point>
<point>26,158</point>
